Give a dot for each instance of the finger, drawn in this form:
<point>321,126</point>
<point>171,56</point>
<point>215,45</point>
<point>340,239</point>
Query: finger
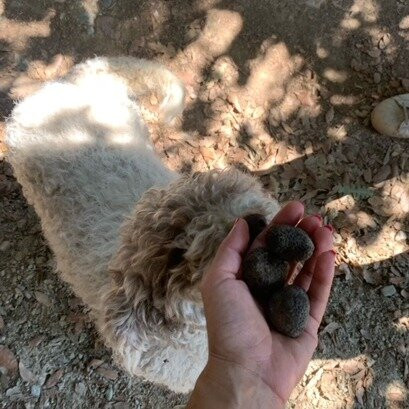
<point>290,214</point>
<point>310,223</point>
<point>320,287</point>
<point>227,261</point>
<point>323,241</point>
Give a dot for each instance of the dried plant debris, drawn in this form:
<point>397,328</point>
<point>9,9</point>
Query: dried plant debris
<point>258,103</point>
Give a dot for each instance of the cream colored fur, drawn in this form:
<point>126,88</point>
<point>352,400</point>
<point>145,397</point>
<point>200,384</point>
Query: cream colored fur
<point>81,152</point>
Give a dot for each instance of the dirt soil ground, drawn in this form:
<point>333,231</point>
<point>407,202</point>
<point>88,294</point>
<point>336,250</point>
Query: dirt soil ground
<point>282,89</point>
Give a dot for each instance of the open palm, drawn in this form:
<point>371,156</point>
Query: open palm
<point>237,330</point>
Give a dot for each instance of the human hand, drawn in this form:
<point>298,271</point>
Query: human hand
<point>237,331</point>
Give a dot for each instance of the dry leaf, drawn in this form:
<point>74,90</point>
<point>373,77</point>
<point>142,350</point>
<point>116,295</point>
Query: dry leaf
<point>8,360</point>
<point>54,378</point>
<point>35,342</point>
<point>329,116</point>
<point>384,41</point>
<point>330,328</point>
<point>107,373</point>
<point>26,374</point>
<point>95,363</point>
<point>42,298</point>
<point>287,128</point>
<point>368,175</point>
<point>359,395</point>
<point>382,174</point>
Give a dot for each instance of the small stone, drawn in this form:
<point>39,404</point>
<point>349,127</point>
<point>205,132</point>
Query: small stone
<point>109,393</point>
<point>15,390</point>
<point>400,236</point>
<point>1,323</point>
<point>404,23</point>
<point>377,78</point>
<point>389,291</point>
<point>80,388</point>
<point>36,391</point>
<point>404,294</point>
<point>5,245</point>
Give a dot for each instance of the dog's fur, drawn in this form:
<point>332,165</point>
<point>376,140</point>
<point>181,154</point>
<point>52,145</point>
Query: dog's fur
<point>81,152</point>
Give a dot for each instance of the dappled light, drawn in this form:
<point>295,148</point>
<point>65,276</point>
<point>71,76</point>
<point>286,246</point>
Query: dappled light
<point>282,90</point>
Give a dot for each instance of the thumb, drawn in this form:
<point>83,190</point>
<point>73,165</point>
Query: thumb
<point>226,264</point>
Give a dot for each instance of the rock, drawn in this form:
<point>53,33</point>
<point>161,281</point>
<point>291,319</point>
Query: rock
<point>1,324</point>
<point>388,117</point>
<point>400,236</point>
<point>109,393</point>
<point>377,78</point>
<point>8,360</point>
<point>15,390</point>
<point>5,245</point>
<point>36,391</point>
<point>404,23</point>
<point>389,291</point>
<point>372,277</point>
<point>80,388</point>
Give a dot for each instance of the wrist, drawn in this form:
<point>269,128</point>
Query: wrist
<point>225,385</point>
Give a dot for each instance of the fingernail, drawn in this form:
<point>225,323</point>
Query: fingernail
<point>234,224</point>
<point>319,217</point>
<point>329,227</point>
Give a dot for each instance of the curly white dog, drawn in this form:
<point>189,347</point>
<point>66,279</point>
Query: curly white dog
<point>82,153</point>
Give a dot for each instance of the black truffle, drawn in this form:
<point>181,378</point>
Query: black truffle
<point>256,223</point>
<point>289,243</point>
<point>263,274</point>
<point>287,310</point>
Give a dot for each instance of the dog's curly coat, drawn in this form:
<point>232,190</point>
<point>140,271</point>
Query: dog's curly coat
<point>81,152</point>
